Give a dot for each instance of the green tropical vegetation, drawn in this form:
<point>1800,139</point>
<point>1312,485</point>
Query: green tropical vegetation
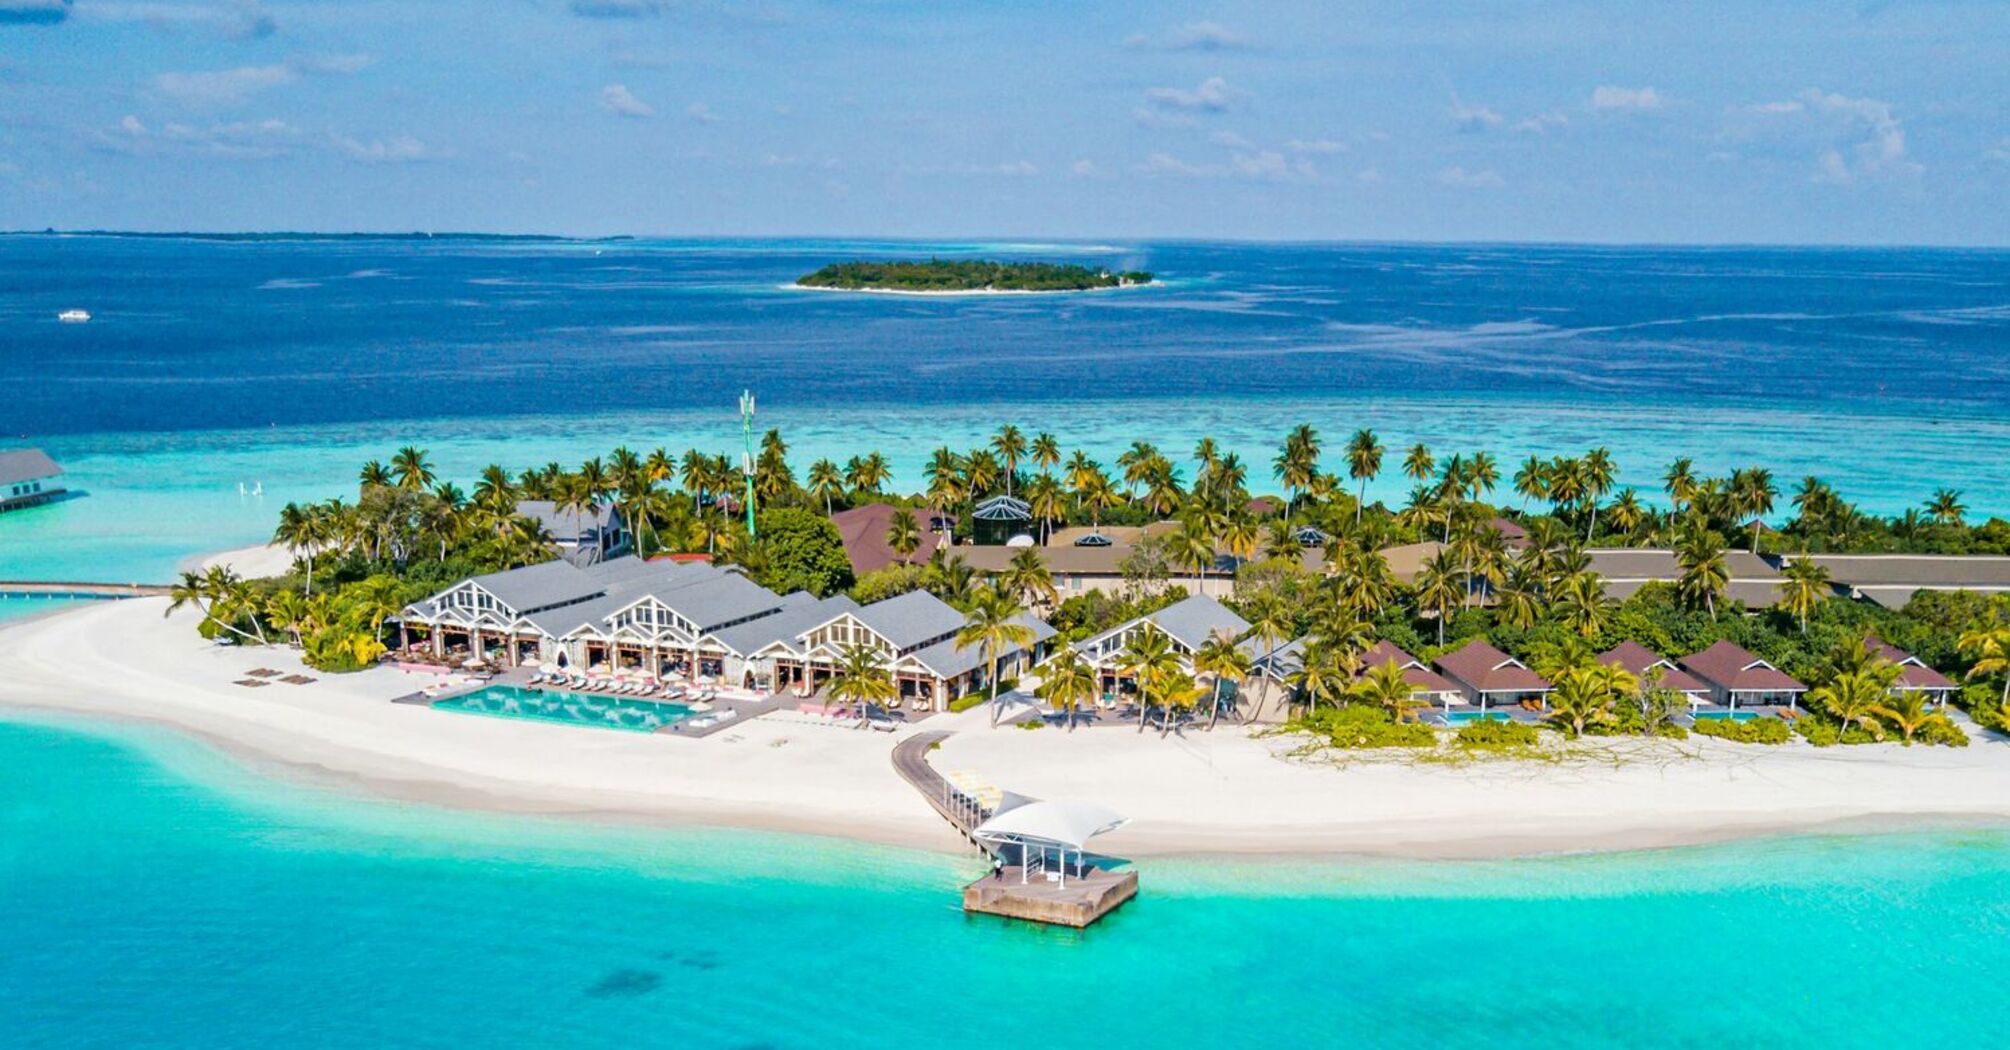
<point>971,275</point>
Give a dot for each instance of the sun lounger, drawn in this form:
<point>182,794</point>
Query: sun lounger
<point>250,683</point>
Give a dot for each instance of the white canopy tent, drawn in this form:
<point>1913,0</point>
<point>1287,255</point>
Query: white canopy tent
<point>1063,826</point>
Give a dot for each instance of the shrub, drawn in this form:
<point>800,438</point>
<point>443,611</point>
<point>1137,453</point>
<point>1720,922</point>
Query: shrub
<point>1942,732</point>
<point>1355,726</point>
<point>1750,731</point>
<point>1492,734</point>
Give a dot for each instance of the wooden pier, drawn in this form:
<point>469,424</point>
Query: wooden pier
<point>1022,884</point>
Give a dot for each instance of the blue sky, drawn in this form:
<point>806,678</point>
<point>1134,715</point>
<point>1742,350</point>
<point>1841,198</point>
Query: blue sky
<point>1880,122</point>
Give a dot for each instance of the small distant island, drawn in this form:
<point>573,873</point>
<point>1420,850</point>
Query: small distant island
<point>975,276</point>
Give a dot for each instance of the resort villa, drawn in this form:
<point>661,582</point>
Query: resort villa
<point>1651,668</point>
<point>1736,676</point>
<point>1488,677</point>
<point>1890,580</point>
<point>1913,674</point>
<point>581,537</point>
<point>27,477</point>
<point>864,530</point>
<point>1187,624</point>
<point>700,621</point>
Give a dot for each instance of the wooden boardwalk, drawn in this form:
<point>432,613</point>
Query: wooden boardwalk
<point>910,760</point>
<point>85,590</point>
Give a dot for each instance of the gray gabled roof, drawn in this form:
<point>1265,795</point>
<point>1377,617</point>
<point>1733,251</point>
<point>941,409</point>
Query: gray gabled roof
<point>713,600</point>
<point>948,659</point>
<point>911,618</point>
<point>1192,621</point>
<point>800,612</point>
<point>539,586</point>
<point>26,464</point>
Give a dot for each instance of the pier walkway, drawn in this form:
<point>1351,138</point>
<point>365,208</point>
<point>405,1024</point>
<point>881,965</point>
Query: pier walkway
<point>910,760</point>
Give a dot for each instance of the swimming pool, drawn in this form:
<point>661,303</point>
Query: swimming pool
<point>1734,716</point>
<point>1459,718</point>
<point>556,705</point>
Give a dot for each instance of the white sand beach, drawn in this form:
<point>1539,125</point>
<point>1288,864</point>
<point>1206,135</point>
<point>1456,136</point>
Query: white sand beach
<point>265,559</point>
<point>1224,791</point>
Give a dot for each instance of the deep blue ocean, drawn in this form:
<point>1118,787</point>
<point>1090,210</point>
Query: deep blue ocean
<point>277,367</point>
<point>154,893</point>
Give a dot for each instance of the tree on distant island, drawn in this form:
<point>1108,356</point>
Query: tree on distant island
<point>942,275</point>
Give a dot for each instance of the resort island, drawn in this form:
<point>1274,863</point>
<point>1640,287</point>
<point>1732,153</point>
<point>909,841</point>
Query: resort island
<point>1507,662</point>
<point>968,277</point>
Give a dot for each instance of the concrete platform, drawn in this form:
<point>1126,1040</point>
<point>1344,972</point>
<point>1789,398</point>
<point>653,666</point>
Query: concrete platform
<point>1082,901</point>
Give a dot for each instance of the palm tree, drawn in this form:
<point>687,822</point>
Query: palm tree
<point>1518,603</point>
<point>1803,584</point>
<point>1297,463</point>
<point>1581,699</point>
<point>903,533</point>
<point>412,469</point>
<point>1418,463</point>
<point>1027,578</point>
<point>1752,493</point>
<point>1946,507</point>
<point>1700,553</point>
<point>980,472</point>
<point>1046,451</point>
<point>1047,502</point>
<point>992,623</point>
<point>219,596</point>
<point>696,468</point>
<point>1010,445</point>
<point>1318,673</point>
<point>1852,697</point>
<point>1136,463</point>
<point>1531,481</point>
<point>299,530</point>
<point>1990,648</point>
<point>1364,461</point>
<point>1599,476</point>
<point>1907,711</point>
<point>862,678</point>
<point>1148,658</point>
<point>1680,482</point>
<point>1270,623</point>
<point>1067,682</point>
<point>870,474</point>
<point>825,482</point>
<point>1439,589</point>
<point>1626,513</point>
<point>1221,659</point>
<point>1581,604</point>
<point>1384,686</point>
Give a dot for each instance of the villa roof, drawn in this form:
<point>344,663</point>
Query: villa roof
<point>567,526</point>
<point>1191,621</point>
<point>910,619</point>
<point>863,530</point>
<point>1003,508</point>
<point>800,612</point>
<point>1730,666</point>
<point>26,464</point>
<point>1486,669</point>
<point>1420,677</point>
<point>948,659</point>
<point>539,586</point>
<point>1638,660</point>
<point>714,599</point>
<point>1912,671</point>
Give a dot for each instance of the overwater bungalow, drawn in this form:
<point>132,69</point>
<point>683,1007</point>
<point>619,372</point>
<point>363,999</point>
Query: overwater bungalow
<point>1737,676</point>
<point>1490,678</point>
<point>28,477</point>
<point>1913,674</point>
<point>1654,669</point>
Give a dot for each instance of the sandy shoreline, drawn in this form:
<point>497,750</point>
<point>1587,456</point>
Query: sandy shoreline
<point>1220,793</point>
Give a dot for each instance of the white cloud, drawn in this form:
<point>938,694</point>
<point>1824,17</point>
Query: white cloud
<point>1460,178</point>
<point>1212,95</point>
<point>1193,36</point>
<point>1084,168</point>
<point>237,140</point>
<point>1316,146</point>
<point>400,150</point>
<point>223,86</point>
<point>336,64</point>
<point>1607,96</point>
<point>1541,123</point>
<point>1230,139</point>
<point>1257,165</point>
<point>1473,118</point>
<point>1369,176</point>
<point>131,125</point>
<point>1854,138</point>
<point>701,113</point>
<point>618,100</point>
<point>242,20</point>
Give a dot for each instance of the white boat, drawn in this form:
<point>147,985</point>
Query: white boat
<point>74,316</point>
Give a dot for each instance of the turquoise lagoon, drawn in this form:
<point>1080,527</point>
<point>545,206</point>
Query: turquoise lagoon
<point>157,498</point>
<point>154,893</point>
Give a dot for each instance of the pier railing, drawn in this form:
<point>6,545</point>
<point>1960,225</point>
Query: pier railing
<point>910,760</point>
